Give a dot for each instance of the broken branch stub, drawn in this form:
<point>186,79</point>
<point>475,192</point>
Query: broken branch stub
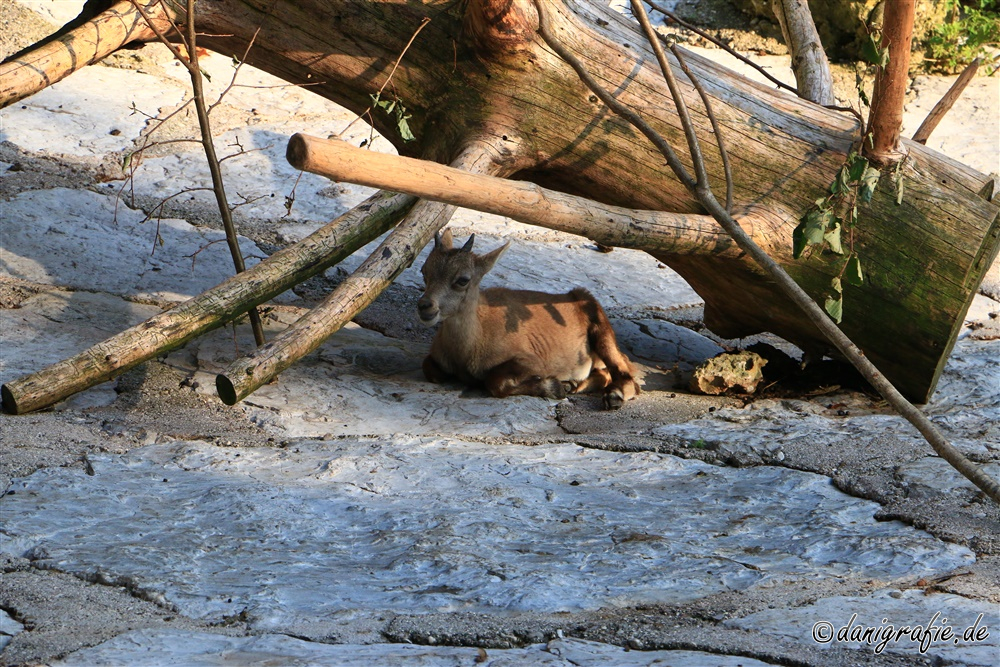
<point>813,79</point>
<point>213,308</point>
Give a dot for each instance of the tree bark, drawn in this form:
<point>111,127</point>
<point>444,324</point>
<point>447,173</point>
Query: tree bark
<point>885,120</point>
<point>813,78</point>
<point>210,310</point>
<point>486,72</point>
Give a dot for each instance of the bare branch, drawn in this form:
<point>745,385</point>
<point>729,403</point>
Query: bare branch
<point>723,153</point>
<point>213,164</point>
<point>944,105</point>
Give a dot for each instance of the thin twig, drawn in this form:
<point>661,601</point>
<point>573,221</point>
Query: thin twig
<point>236,71</point>
<point>722,45</point>
<point>798,296</point>
<point>213,164</point>
<point>406,48</point>
<point>723,153</point>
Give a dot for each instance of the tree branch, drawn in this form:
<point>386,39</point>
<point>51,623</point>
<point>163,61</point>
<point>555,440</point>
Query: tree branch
<point>885,120</point>
<point>812,70</point>
<point>211,309</point>
<point>35,69</point>
<point>653,231</point>
<point>944,105</point>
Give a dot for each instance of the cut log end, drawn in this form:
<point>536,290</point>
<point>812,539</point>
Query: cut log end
<point>8,401</point>
<point>297,152</point>
<point>226,389</point>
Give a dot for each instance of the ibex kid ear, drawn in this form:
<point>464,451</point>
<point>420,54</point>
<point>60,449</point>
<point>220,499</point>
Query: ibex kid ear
<point>485,262</point>
<point>468,244</point>
<point>442,240</point>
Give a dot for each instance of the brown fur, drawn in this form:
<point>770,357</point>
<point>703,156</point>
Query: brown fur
<point>517,342</point>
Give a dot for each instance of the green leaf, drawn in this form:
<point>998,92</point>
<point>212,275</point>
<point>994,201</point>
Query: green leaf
<point>835,308</point>
<point>832,237</point>
<point>127,161</point>
<point>816,222</point>
<point>206,75</point>
<point>856,165</point>
<point>853,273</point>
<point>864,97</point>
<point>871,52</point>
<point>798,240</point>
<point>868,183</point>
<point>900,184</point>
<point>843,181</point>
<point>837,286</point>
<point>812,226</point>
<point>404,127</point>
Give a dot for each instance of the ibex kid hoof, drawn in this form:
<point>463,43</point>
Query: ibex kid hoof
<point>614,399</point>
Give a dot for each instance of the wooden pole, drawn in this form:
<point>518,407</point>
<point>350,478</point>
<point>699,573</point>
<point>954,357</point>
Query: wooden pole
<point>219,305</point>
<point>653,231</point>
<point>27,73</point>
<point>352,296</point>
<point>885,122</point>
<point>945,103</point>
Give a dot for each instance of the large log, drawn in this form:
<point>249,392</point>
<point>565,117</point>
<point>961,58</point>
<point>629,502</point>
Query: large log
<point>486,69</point>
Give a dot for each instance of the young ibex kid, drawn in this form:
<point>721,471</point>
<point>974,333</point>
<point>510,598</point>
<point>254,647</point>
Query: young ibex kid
<point>516,341</point>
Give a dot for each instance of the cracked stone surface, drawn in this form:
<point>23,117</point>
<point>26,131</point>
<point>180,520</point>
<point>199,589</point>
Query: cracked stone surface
<point>352,513</point>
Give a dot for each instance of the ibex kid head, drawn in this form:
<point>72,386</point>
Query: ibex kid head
<point>451,277</point>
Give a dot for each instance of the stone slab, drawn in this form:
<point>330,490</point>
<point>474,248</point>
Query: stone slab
<point>356,526</point>
<point>153,649</point>
<point>87,241</point>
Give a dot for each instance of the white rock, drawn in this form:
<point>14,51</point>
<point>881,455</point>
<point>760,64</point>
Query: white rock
<point>80,239</point>
<point>151,648</point>
<point>76,116</point>
<point>819,624</point>
<point>364,526</point>
<point>8,628</point>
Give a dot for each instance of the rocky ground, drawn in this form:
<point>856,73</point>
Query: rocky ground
<point>353,514</point>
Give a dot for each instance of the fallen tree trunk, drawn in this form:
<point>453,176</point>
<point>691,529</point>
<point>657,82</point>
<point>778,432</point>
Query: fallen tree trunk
<point>210,310</point>
<point>482,65</point>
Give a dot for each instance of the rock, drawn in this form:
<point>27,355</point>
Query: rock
<point>739,372</point>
